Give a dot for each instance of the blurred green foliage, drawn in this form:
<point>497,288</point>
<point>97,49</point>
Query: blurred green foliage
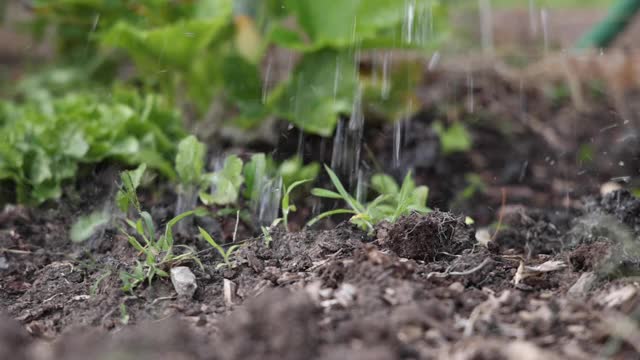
<point>44,142</point>
<point>213,49</point>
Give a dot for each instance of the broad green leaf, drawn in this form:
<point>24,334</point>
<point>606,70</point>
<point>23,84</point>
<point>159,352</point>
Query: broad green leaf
<point>293,170</point>
<point>373,23</point>
<point>384,184</point>
<point>322,87</point>
<point>256,171</point>
<point>420,195</point>
<point>190,160</point>
<point>227,182</point>
<point>86,226</point>
<point>243,86</point>
<point>173,46</point>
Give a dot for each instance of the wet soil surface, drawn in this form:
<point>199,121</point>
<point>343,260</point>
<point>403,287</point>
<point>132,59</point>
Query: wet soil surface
<point>557,278</point>
<point>422,288</point>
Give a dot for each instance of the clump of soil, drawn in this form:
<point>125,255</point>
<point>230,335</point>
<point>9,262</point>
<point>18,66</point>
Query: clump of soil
<point>426,237</point>
<point>530,232</point>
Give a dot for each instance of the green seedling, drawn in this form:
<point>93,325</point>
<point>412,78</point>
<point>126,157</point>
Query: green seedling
<point>226,254</point>
<point>226,183</point>
<point>287,206</point>
<point>124,314</point>
<point>454,138</point>
<point>391,203</point>
<point>96,285</point>
<point>190,167</point>
<point>266,234</point>
<point>158,251</point>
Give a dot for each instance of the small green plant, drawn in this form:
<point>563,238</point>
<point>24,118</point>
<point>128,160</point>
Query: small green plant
<point>454,138</point>
<point>124,314</point>
<point>266,234</point>
<point>190,165</point>
<point>287,206</point>
<point>391,203</point>
<point>226,254</point>
<point>225,183</point>
<point>158,250</point>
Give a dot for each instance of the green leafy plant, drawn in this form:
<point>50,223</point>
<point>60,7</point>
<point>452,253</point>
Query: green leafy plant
<point>391,203</point>
<point>158,250</point>
<point>45,143</point>
<point>86,226</point>
<point>261,167</point>
<point>226,183</point>
<point>226,254</point>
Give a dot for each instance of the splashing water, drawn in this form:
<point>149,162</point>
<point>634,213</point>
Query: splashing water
<point>269,203</point>
<point>345,158</point>
<point>408,23</point>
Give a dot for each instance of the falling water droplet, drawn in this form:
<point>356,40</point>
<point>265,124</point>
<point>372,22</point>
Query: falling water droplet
<point>470,91</point>
<point>269,203</point>
<point>397,141</point>
<point>267,80</point>
<point>533,23</point>
<point>544,18</point>
<point>433,62</point>
<point>300,151</point>
<point>408,26</point>
<point>361,186</point>
<point>345,157</point>
<point>486,25</point>
<point>386,83</point>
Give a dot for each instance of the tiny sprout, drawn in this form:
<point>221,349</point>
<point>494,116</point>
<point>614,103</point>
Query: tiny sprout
<point>225,254</point>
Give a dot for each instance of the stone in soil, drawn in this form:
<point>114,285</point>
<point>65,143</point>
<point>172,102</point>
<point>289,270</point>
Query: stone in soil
<point>183,281</point>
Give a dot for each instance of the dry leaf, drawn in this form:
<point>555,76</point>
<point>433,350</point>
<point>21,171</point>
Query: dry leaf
<point>529,271</point>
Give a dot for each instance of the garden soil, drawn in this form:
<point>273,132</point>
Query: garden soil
<point>548,270</point>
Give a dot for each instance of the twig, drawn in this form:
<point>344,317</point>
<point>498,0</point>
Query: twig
<point>12,251</point>
<point>235,230</point>
<point>460,273</point>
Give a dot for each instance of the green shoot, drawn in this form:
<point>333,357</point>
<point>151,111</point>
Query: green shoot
<point>266,234</point>
<point>158,251</point>
<point>392,202</point>
<point>226,183</point>
<point>226,254</point>
<point>288,207</point>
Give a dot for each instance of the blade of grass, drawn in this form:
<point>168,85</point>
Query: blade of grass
<point>330,213</point>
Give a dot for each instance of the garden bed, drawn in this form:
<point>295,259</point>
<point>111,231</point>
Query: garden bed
<point>554,277</point>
